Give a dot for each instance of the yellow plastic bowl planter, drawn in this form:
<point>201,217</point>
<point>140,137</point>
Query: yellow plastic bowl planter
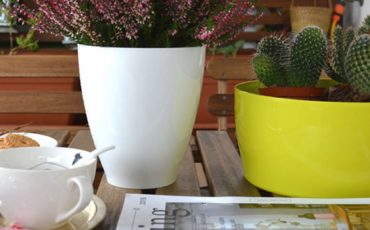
<point>303,148</point>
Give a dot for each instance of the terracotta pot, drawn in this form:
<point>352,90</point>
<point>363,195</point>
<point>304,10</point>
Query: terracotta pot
<point>305,93</point>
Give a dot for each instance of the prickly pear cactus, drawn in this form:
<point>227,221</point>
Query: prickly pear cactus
<point>307,58</point>
<point>357,64</point>
<point>274,47</point>
<point>365,27</point>
<point>349,63</point>
<point>338,55</point>
<point>349,35</point>
<point>278,63</point>
<point>269,72</point>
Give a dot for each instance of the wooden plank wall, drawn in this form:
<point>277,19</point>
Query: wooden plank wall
<point>276,20</point>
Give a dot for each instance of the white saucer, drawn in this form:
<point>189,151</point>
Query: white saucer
<point>43,140</point>
<point>89,218</point>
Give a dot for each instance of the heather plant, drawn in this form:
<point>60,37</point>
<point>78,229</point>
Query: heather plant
<point>140,23</point>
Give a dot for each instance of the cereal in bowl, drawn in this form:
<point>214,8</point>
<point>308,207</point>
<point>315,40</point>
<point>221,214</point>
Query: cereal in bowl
<point>16,140</point>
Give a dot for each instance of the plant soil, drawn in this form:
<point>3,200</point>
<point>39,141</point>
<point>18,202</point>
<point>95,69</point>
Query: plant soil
<point>345,93</point>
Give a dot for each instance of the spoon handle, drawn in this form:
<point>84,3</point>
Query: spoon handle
<point>94,154</point>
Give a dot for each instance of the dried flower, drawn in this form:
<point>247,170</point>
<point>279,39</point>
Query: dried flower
<point>140,23</point>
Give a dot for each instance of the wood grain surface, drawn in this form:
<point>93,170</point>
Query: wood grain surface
<point>39,65</point>
<point>220,163</point>
<point>223,165</point>
<point>41,102</point>
<point>230,68</point>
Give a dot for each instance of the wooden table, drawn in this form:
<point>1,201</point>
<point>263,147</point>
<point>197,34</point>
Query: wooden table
<point>211,167</point>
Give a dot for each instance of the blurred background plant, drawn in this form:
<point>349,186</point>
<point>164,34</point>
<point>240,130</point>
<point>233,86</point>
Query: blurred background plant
<point>24,41</point>
<point>228,50</point>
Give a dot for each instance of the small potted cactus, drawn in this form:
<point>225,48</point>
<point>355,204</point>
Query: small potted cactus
<point>349,63</point>
<point>308,148</point>
<point>292,69</point>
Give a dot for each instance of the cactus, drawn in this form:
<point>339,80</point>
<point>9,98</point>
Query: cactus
<point>278,63</point>
<point>268,71</point>
<point>276,48</point>
<point>335,65</point>
<point>307,58</point>
<point>365,27</point>
<point>349,60</point>
<point>348,37</point>
<point>357,64</point>
<point>338,55</point>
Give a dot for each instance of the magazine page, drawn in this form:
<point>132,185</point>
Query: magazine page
<point>156,212</point>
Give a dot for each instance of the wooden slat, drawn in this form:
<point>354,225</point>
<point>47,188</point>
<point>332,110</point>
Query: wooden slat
<point>274,3</point>
<point>83,140</point>
<point>257,36</point>
<point>71,128</point>
<point>270,19</point>
<point>221,105</point>
<point>41,102</point>
<point>286,3</point>
<point>113,198</point>
<point>202,179</point>
<point>319,3</point>
<point>45,65</point>
<point>231,68</point>
<point>186,182</point>
<point>223,165</point>
<point>222,89</point>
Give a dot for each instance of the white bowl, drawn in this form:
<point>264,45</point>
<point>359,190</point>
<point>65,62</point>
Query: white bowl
<point>43,140</point>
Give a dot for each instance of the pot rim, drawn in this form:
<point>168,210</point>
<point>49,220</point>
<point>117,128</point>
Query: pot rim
<point>255,85</point>
<point>140,48</point>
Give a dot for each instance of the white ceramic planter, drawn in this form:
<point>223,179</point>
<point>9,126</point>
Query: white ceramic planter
<point>355,14</point>
<point>365,11</point>
<point>143,101</point>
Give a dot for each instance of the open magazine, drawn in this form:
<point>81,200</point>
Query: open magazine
<point>156,212</point>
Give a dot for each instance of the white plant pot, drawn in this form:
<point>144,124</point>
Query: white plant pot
<point>355,14</point>
<point>365,11</point>
<point>143,101</point>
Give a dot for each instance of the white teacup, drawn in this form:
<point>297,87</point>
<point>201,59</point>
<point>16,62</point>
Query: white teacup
<point>43,199</point>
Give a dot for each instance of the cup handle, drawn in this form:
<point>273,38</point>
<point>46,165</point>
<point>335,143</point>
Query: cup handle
<point>86,192</point>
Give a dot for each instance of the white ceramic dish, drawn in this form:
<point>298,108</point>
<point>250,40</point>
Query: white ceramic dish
<point>55,205</point>
<point>89,218</point>
<point>43,140</point>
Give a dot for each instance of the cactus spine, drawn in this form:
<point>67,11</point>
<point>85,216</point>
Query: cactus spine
<point>307,58</point>
<point>349,61</point>
<point>278,63</point>
<point>268,71</point>
<point>357,64</point>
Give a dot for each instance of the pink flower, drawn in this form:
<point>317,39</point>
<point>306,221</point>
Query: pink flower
<point>140,23</point>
